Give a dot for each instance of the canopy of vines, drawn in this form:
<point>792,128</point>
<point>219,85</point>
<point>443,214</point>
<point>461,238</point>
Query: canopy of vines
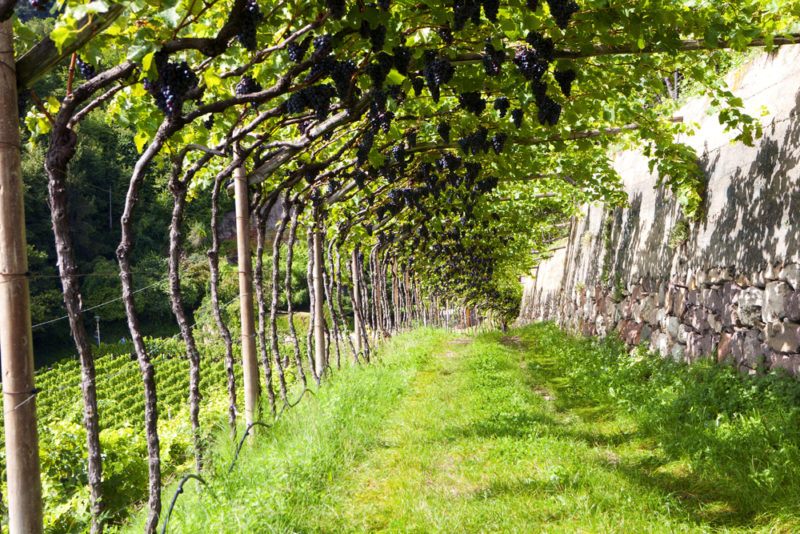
<point>443,142</point>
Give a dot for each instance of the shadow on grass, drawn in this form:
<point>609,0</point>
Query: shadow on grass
<point>724,448</point>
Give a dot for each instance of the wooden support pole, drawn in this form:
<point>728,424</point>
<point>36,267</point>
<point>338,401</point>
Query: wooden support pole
<point>320,352</point>
<point>16,347</point>
<point>358,325</point>
<point>249,356</point>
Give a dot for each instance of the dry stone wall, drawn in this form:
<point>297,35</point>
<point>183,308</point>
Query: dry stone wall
<point>726,286</point>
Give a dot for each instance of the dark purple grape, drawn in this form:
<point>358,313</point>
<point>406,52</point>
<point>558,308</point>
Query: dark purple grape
<point>544,46</point>
<point>549,111</point>
<point>377,38</point>
<point>446,34</point>
<point>316,97</point>
<point>417,84</point>
<point>402,57</point>
<point>472,102</point>
<point>86,70</point>
<point>530,64</point>
<point>342,75</point>
<point>490,9</point>
<point>174,82</point>
<point>323,45</point>
<point>501,104</point>
<point>498,141</point>
<point>247,85</point>
<point>437,71</point>
<point>464,11</point>
<point>444,131</point>
<point>492,59</point>
<point>516,117</point>
<point>562,11</point>
<point>297,51</point>
<point>248,25</point>
<point>336,8</point>
<point>565,79</point>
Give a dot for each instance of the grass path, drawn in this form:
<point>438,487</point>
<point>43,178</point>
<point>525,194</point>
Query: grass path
<point>470,434</point>
<point>478,445</point>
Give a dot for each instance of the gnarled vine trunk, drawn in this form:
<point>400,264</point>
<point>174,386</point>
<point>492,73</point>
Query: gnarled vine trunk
<point>224,331</point>
<point>262,313</point>
<point>287,285</point>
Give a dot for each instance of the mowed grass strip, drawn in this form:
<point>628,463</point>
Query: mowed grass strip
<point>480,446</point>
<point>535,431</point>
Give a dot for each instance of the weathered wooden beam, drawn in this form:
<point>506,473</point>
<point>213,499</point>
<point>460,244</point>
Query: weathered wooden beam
<point>44,56</point>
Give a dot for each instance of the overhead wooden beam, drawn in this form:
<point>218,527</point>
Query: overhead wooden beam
<point>44,56</point>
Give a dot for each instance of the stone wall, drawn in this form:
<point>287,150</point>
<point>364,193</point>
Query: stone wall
<point>727,285</point>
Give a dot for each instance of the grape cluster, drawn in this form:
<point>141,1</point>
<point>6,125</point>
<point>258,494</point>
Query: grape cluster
<point>377,38</point>
<point>471,171</point>
<point>516,117</point>
<point>498,141</point>
<point>399,155</point>
<point>475,142</point>
<point>360,178</point>
<point>418,84</point>
<point>444,131</point>
<point>544,46</point>
<point>384,4</point>
<point>562,11</point>
<point>342,75</point>
<point>565,79</point>
<point>533,5</point>
<point>382,120</point>
<point>549,111</point>
<point>86,70</point>
<point>501,104</point>
<point>539,90</point>
<point>449,162</point>
<point>379,69</point>
<point>316,97</point>
<point>446,34</point>
<point>472,102</point>
<point>396,92</point>
<point>175,81</point>
<point>39,5</point>
<point>530,64</point>
<point>490,9</point>
<point>247,86</point>
<point>321,67</point>
<point>323,45</point>
<point>336,8</point>
<point>437,71</point>
<point>248,25</point>
<point>465,10</point>
<point>493,59</point>
<point>333,185</point>
<point>208,122</point>
<point>297,51</point>
<point>402,57</point>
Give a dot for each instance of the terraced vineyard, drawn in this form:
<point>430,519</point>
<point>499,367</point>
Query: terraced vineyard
<point>121,411</point>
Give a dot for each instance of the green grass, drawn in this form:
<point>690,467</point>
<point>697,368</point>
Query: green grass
<point>280,480</point>
<point>534,431</point>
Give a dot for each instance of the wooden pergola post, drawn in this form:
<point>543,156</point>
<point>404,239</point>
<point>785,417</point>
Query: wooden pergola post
<point>16,345</point>
<point>249,356</point>
<point>320,351</point>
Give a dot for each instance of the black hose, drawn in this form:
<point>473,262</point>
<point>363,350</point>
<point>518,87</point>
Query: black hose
<point>178,492</point>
